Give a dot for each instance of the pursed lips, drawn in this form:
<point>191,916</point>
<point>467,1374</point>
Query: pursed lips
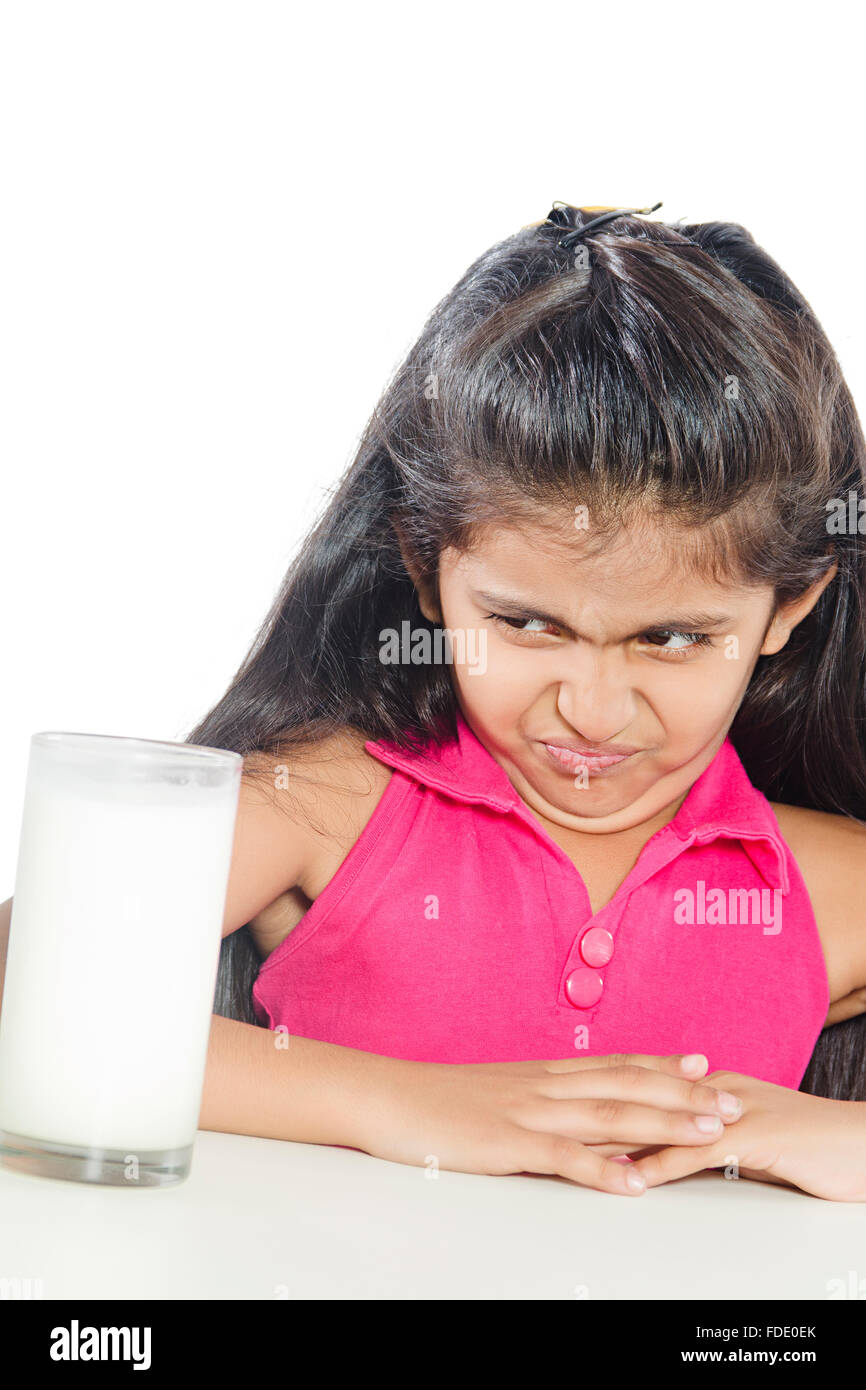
<point>575,759</point>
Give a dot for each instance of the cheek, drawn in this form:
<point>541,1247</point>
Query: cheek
<point>503,682</point>
<point>698,699</point>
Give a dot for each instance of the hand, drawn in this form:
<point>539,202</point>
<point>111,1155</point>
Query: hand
<point>539,1117</point>
<point>784,1136</point>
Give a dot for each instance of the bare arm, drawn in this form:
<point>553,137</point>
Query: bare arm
<point>830,851</point>
<point>269,1083</point>
<point>309,1091</point>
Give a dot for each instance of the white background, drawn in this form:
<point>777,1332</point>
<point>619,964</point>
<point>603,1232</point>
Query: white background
<point>223,225</point>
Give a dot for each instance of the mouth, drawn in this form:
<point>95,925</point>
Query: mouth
<point>575,760</point>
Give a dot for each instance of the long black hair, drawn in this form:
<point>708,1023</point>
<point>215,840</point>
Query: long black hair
<point>669,369</point>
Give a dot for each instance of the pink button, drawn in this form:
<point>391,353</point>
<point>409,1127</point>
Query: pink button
<point>596,946</point>
<point>584,987</point>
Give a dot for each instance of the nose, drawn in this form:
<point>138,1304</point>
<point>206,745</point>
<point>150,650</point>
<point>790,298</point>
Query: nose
<point>597,704</point>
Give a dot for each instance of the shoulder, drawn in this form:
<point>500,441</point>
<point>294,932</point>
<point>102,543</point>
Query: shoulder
<point>327,791</point>
<point>833,845</point>
<point>830,851</point>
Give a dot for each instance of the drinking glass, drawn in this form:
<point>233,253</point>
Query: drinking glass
<point>117,914</point>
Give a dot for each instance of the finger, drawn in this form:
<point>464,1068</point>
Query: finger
<point>554,1153</point>
<point>667,1165</point>
<point>649,1088</point>
<point>691,1064</point>
<point>617,1149</point>
<point>626,1122</point>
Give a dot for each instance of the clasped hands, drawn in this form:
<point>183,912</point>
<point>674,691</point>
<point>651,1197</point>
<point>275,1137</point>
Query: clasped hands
<point>782,1136</point>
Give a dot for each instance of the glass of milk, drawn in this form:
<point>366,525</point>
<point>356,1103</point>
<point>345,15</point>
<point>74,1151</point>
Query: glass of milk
<point>114,942</point>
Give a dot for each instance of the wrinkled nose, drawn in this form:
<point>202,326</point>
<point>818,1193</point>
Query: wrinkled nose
<point>598,705</point>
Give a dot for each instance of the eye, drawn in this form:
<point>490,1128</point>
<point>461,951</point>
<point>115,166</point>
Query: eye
<point>690,640</point>
<point>519,625</point>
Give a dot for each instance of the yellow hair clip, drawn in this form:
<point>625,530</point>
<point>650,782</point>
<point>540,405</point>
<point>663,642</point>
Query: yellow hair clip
<point>607,214</point>
<point>559,204</point>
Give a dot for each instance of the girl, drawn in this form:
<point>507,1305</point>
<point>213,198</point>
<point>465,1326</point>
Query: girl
<point>623,816</point>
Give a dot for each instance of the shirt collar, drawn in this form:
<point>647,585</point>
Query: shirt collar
<point>722,802</point>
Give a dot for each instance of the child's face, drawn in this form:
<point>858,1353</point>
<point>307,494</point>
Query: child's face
<point>608,670</point>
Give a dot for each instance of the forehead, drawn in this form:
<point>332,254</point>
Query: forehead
<point>639,564</point>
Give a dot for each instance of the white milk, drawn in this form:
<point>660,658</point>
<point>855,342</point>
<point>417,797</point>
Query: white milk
<point>113,952</point>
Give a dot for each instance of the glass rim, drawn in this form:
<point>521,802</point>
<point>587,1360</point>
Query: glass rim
<point>74,741</point>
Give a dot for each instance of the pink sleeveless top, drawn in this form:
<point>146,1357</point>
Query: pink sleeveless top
<point>457,930</point>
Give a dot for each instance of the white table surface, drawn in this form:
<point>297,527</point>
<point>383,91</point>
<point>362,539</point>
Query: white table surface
<point>266,1219</point>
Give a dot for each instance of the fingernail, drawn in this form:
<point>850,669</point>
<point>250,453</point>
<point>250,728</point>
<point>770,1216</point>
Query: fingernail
<point>696,1061</point>
<point>636,1182</point>
<point>708,1124</point>
<point>728,1104</point>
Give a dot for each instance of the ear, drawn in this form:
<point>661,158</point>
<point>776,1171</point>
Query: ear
<point>426,590</point>
<point>788,615</point>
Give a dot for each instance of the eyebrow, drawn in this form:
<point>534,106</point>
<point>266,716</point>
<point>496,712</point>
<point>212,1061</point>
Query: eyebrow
<point>683,622</point>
